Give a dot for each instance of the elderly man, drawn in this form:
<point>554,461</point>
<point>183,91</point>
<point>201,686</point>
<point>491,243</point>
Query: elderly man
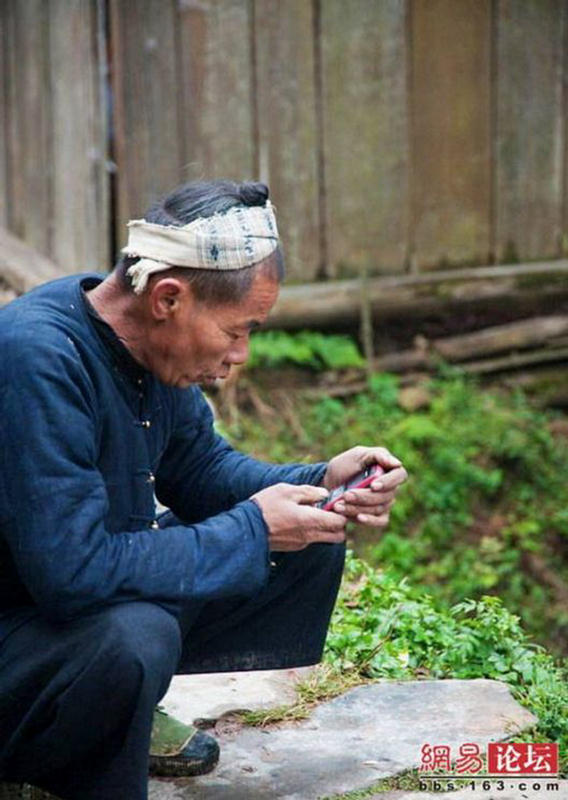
<point>102,601</point>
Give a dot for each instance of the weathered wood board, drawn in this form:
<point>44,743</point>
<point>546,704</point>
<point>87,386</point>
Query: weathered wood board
<point>78,197</point>
<point>287,139</point>
<point>365,131</point>
<point>55,143</point>
<point>4,188</point>
<point>216,89</point>
<point>29,124</point>
<point>450,96</point>
<point>529,128</point>
<point>147,142</point>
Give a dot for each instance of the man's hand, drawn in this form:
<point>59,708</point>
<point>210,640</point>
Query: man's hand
<point>293,522</point>
<point>369,506</point>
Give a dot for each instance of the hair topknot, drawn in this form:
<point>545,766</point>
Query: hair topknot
<point>252,193</point>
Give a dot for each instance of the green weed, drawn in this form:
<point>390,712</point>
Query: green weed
<point>305,349</point>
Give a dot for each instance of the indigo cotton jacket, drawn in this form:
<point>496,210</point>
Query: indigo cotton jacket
<point>83,447</point>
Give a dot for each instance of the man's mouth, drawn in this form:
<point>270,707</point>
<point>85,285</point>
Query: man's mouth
<point>213,378</point>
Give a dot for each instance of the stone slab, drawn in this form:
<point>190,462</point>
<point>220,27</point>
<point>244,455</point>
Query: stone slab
<point>348,743</point>
<point>195,697</point>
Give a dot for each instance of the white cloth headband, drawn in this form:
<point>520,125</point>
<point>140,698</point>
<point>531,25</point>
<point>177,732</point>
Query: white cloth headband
<point>242,237</point>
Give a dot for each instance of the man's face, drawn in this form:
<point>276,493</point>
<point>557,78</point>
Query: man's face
<point>196,343</point>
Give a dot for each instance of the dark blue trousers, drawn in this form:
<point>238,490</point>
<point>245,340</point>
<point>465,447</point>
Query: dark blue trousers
<point>77,698</point>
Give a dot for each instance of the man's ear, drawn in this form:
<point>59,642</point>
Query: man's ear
<point>167,296</point>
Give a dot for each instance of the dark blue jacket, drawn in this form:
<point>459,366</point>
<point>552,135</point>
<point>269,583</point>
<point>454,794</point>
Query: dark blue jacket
<point>83,446</point>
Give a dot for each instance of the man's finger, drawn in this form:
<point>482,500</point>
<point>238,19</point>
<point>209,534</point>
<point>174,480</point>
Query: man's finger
<point>363,497</point>
<point>390,480</point>
<point>329,537</point>
<point>375,509</point>
<point>382,456</point>
<point>327,520</point>
<point>373,521</point>
<point>308,495</point>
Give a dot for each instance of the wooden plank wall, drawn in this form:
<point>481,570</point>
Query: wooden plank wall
<point>396,135</point>
<point>53,138</point>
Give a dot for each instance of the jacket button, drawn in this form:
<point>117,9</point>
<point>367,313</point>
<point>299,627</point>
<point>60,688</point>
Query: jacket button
<point>155,525</point>
<point>146,423</point>
<point>151,477</point>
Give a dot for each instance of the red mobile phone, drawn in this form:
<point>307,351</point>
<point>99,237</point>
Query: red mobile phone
<point>359,481</point>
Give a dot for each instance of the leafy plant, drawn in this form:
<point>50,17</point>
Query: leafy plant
<point>305,349</point>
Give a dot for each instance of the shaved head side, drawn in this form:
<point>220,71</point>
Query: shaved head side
<point>213,287</point>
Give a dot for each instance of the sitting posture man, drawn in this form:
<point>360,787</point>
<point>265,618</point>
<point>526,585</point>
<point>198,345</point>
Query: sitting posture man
<point>100,601</point>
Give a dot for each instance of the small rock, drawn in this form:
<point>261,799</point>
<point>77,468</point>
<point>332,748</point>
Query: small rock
<point>413,398</point>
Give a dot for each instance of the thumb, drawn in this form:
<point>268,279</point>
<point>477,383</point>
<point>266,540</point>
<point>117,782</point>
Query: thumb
<point>309,494</point>
<point>385,459</point>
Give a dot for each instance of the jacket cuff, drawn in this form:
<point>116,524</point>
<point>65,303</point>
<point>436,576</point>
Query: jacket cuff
<point>254,512</point>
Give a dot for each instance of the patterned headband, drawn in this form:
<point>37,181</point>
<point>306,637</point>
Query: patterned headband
<point>242,237</point>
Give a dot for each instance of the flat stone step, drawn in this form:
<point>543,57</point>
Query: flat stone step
<point>197,697</point>
<point>370,732</point>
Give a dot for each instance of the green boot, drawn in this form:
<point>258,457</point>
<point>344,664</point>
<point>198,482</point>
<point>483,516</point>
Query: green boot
<point>178,750</point>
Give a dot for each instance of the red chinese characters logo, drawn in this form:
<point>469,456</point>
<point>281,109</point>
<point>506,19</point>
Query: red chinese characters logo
<point>522,758</point>
<point>470,760</point>
<point>434,757</point>
<point>438,757</point>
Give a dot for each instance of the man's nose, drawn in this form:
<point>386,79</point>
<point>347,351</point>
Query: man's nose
<point>239,352</point>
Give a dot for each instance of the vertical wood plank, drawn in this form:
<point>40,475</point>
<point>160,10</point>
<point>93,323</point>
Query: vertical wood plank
<point>216,89</point>
<point>28,130</point>
<point>529,129</point>
<point>365,135</point>
<point>287,143</point>
<point>145,92</point>
<point>79,198</point>
<point>451,146</point>
<point>564,239</point>
<point>3,120</point>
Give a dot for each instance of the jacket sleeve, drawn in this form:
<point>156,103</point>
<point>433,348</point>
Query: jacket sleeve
<point>201,474</point>
<point>53,504</point>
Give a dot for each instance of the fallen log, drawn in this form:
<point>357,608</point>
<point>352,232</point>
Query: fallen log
<point>515,361</point>
<point>514,336</point>
<point>510,363</point>
<point>21,266</point>
<point>321,304</point>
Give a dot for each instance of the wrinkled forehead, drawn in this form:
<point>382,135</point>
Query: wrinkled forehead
<point>253,308</point>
